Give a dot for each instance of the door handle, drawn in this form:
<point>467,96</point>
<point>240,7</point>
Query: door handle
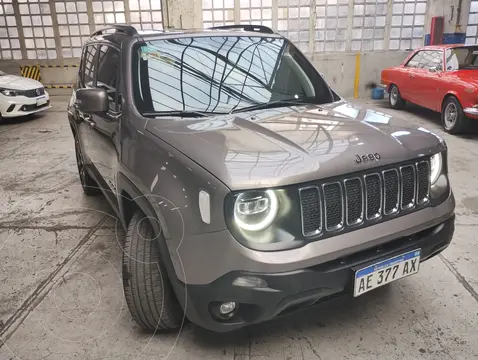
<point>411,75</point>
<point>88,119</point>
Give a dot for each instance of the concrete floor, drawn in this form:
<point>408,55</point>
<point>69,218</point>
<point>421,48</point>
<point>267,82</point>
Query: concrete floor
<point>60,275</point>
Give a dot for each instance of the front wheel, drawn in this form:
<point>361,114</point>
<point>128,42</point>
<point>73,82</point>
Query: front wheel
<point>453,118</point>
<point>395,99</point>
<point>149,294</point>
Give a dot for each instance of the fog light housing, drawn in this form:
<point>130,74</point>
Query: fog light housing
<point>250,282</point>
<point>227,309</point>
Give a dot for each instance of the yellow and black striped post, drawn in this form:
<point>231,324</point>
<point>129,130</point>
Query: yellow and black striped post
<point>31,72</point>
<point>59,86</point>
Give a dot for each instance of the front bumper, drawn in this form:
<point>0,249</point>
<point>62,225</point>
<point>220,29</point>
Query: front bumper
<point>294,290</point>
<point>14,106</point>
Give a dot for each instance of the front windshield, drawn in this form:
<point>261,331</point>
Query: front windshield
<point>462,58</point>
<point>219,74</point>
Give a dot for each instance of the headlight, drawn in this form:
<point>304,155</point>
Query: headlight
<point>8,92</point>
<point>435,167</point>
<point>255,210</point>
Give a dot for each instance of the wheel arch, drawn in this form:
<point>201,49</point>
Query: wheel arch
<point>448,95</point>
<point>131,199</point>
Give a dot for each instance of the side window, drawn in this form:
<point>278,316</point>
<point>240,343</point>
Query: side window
<point>89,67</point>
<point>432,59</point>
<point>108,66</point>
<point>414,62</point>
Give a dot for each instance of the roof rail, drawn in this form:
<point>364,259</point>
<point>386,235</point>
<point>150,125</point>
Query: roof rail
<point>245,27</point>
<point>124,29</point>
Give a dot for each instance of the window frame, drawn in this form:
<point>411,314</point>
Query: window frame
<point>99,44</point>
<point>118,107</point>
<point>419,52</point>
<point>83,64</point>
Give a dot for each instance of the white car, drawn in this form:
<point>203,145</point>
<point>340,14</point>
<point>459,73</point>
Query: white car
<point>21,96</point>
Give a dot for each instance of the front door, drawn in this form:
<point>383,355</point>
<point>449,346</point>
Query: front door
<point>103,142</point>
<point>429,79</point>
<point>86,80</point>
<point>408,76</point>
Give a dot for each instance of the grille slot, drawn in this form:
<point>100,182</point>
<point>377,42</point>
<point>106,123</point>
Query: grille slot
<point>423,188</point>
<point>374,196</point>
<point>334,206</point>
<point>34,92</point>
<point>310,209</point>
<point>390,180</point>
<point>354,201</point>
<point>363,199</point>
<point>408,186</point>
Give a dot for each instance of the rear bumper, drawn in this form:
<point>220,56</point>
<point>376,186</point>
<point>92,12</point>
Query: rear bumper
<point>289,291</point>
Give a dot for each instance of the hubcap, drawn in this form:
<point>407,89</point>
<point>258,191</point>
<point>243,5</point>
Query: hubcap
<point>450,116</point>
<point>394,96</point>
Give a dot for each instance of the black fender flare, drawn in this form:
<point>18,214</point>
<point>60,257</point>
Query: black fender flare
<point>143,203</point>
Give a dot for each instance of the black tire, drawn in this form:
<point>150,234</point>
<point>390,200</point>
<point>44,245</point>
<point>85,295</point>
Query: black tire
<point>460,123</point>
<point>1,118</point>
<point>395,100</point>
<point>148,292</point>
<point>89,185</point>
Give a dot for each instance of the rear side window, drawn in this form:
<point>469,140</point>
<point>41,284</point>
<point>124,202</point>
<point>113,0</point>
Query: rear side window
<point>89,66</point>
<point>108,66</point>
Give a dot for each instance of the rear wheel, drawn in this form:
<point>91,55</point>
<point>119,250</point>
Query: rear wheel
<point>453,118</point>
<point>148,291</point>
<point>89,185</point>
<point>395,99</point>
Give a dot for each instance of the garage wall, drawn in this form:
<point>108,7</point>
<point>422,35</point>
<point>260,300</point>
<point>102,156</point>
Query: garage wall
<point>331,32</point>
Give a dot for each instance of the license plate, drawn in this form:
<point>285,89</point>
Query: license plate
<point>41,101</point>
<point>386,271</point>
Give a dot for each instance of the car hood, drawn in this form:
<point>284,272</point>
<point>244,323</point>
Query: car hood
<point>283,146</point>
<point>18,82</point>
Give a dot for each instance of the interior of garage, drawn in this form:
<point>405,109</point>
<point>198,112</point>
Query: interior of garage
<point>332,33</point>
<point>61,294</point>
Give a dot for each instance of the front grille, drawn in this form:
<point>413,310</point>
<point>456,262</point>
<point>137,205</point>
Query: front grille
<point>333,204</point>
<point>365,198</point>
<point>33,92</point>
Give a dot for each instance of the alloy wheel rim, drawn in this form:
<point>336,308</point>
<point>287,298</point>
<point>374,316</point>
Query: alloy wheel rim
<point>394,96</point>
<point>451,115</point>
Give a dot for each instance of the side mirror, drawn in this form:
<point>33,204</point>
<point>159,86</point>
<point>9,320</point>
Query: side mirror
<point>92,100</point>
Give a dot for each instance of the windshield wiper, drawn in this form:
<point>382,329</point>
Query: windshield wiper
<point>271,104</point>
<point>180,113</point>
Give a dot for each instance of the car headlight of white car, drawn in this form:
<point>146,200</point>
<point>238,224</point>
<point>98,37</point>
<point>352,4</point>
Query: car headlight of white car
<point>9,92</point>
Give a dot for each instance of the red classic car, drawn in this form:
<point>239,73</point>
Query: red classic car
<point>442,78</point>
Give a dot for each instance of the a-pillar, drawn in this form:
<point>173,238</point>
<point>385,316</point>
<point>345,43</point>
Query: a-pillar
<point>455,16</point>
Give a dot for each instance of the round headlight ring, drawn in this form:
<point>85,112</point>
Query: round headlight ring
<point>436,163</point>
<point>268,219</point>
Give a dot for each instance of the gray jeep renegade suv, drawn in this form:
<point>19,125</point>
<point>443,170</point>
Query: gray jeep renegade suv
<point>247,186</point>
